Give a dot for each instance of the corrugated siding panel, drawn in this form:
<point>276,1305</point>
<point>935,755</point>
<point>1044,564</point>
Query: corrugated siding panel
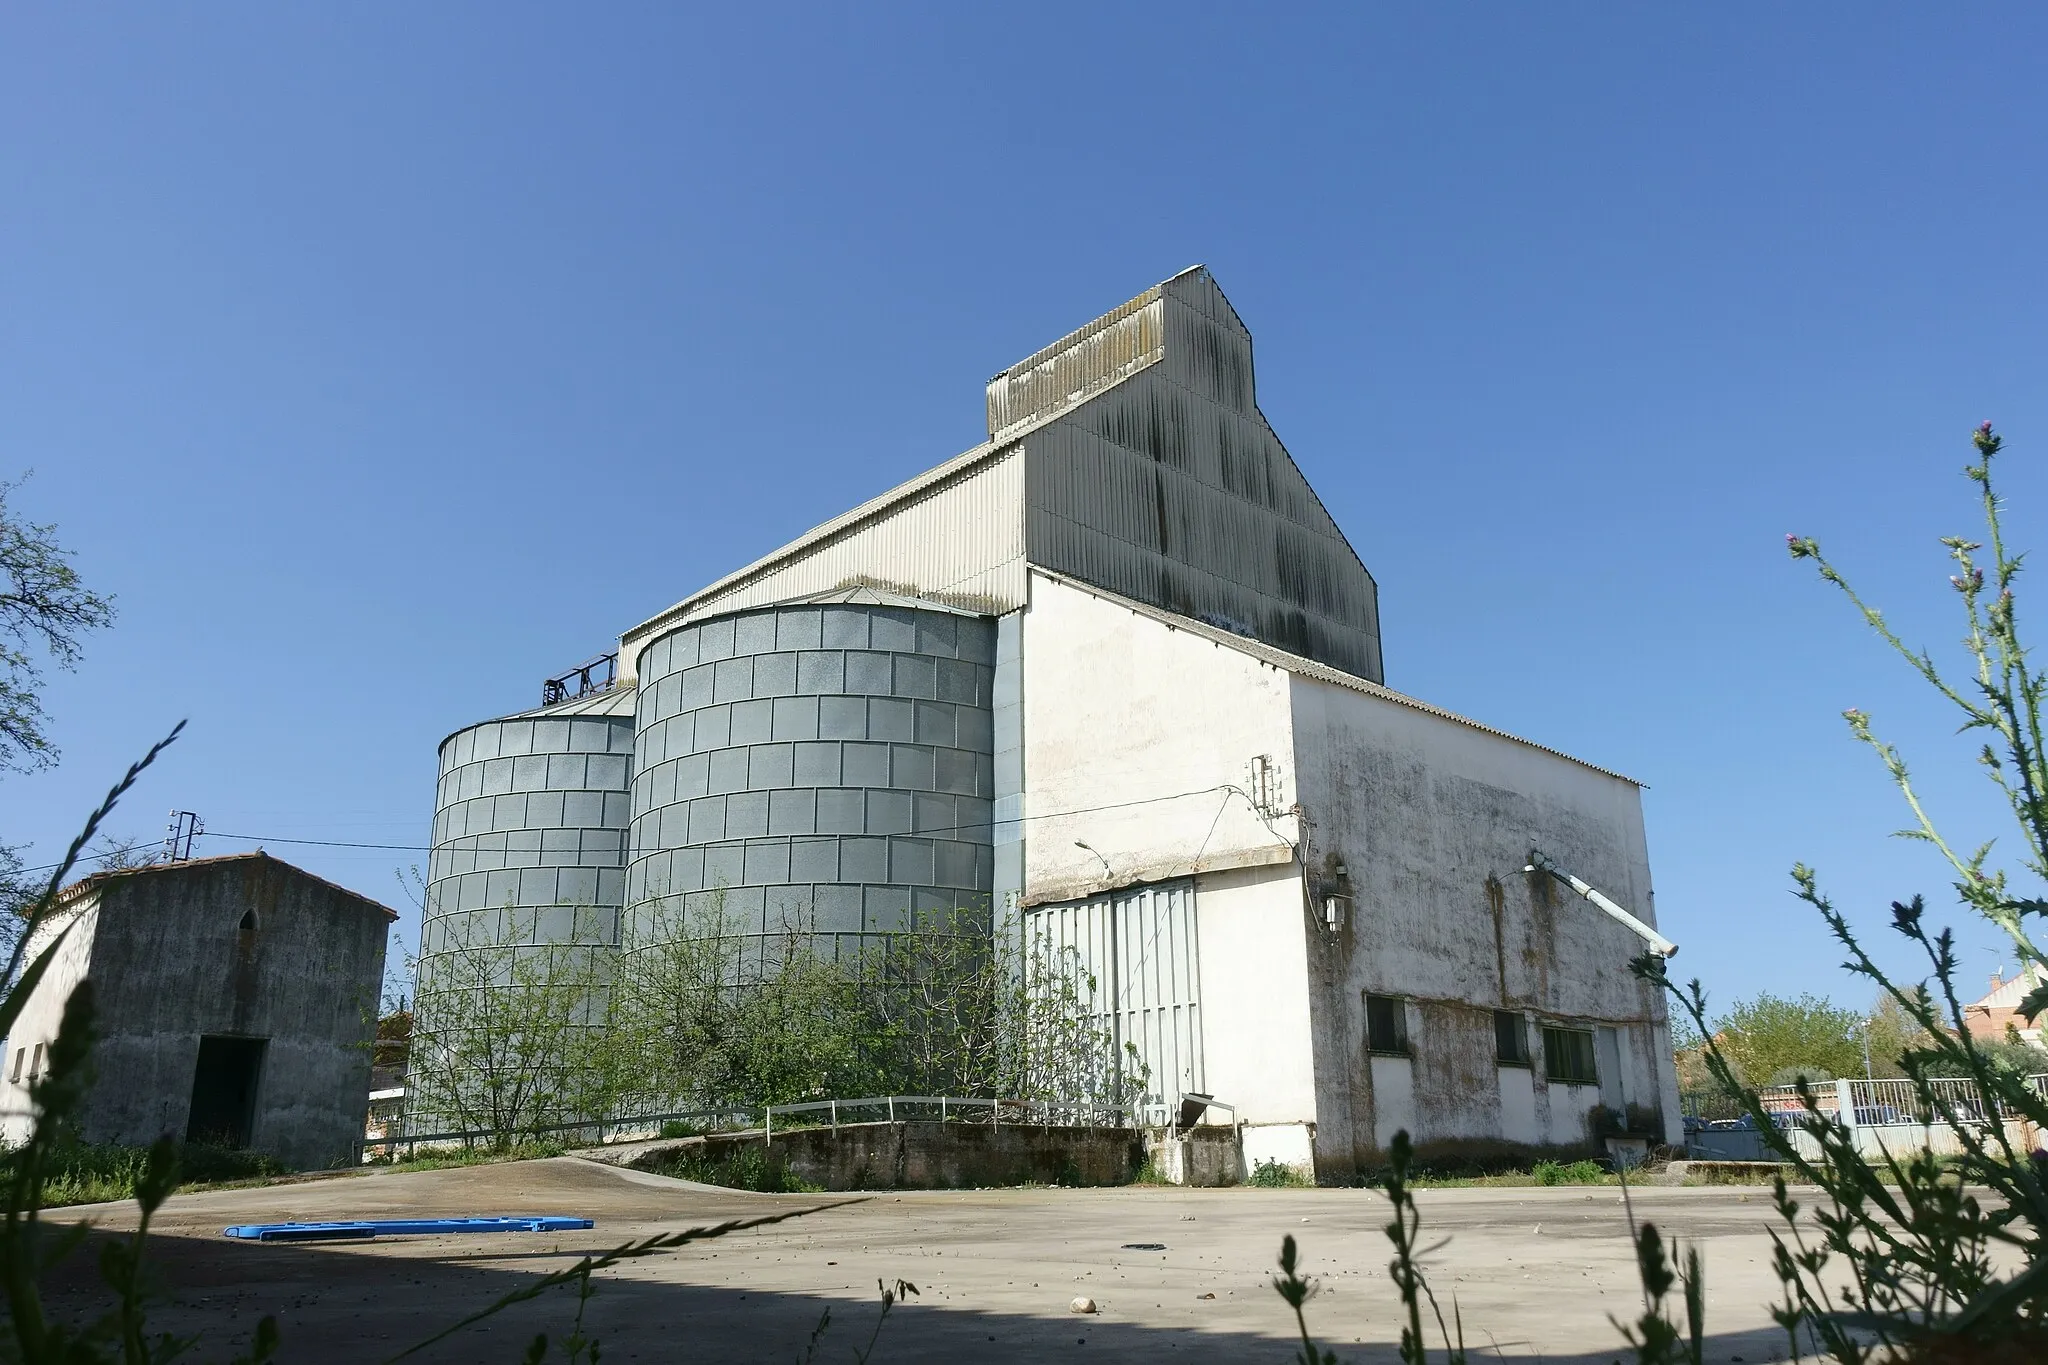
<point>960,543</point>
<point>1113,347</point>
<point>1140,947</point>
<point>1159,493</point>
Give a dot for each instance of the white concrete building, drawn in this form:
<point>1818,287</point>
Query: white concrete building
<point>1149,660</point>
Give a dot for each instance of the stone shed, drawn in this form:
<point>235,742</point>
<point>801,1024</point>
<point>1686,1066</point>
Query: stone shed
<point>237,1000</point>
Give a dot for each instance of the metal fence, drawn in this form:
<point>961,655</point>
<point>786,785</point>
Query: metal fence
<point>879,1108</point>
<point>955,1109</point>
<point>1883,1116</point>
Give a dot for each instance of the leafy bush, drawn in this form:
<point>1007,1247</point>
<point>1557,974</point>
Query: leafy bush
<point>1559,1173</point>
<point>1276,1175</point>
<point>742,1168</point>
<point>78,1173</point>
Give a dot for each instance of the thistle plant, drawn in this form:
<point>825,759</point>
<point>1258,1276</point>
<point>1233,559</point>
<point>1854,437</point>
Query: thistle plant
<point>1907,1258</point>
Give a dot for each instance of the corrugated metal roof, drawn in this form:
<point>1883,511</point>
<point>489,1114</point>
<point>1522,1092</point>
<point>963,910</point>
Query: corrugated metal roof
<point>1309,668</point>
<point>873,509</point>
<point>614,701</point>
<point>876,597</point>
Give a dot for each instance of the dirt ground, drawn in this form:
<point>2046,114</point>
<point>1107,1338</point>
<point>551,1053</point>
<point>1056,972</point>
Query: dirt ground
<point>1535,1273</point>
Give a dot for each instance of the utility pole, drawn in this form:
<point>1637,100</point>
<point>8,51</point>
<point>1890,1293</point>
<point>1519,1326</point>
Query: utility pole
<point>185,826</point>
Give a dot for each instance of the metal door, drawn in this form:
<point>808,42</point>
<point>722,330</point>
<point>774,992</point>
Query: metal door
<point>1139,946</point>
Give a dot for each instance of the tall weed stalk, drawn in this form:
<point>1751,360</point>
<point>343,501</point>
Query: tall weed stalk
<point>1914,1257</point>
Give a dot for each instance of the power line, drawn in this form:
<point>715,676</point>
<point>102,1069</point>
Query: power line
<point>428,848</point>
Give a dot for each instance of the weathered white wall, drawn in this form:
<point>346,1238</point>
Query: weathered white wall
<point>1393,1092</point>
<point>1518,1105</point>
<point>1258,1051</point>
<point>1133,735</point>
<point>1423,810</point>
<point>38,1020</point>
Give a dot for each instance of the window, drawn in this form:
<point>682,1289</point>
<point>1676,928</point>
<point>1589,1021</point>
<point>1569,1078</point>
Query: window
<point>1510,1038</point>
<point>19,1054</point>
<point>1386,1025</point>
<point>35,1063</point>
<point>1568,1056</point>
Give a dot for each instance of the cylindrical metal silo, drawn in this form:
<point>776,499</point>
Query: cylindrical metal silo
<point>529,836</point>
<point>822,768</point>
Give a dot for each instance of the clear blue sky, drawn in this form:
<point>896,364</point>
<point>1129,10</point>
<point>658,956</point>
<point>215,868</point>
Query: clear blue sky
<point>383,359</point>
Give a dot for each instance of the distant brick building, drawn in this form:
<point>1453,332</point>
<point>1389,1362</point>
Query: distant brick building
<point>1990,1017</point>
<point>236,1002</point>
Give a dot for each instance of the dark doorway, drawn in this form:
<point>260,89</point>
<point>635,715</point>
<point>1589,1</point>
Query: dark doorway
<point>224,1091</point>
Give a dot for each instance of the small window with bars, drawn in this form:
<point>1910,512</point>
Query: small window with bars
<point>1568,1057</point>
<point>1510,1038</point>
<point>1386,1025</point>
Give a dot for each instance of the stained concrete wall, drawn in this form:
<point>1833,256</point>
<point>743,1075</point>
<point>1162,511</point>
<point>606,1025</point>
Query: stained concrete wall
<point>28,1045</point>
<point>926,1156</point>
<point>1133,736</point>
<point>1432,820</point>
<point>1138,736</point>
<point>171,961</point>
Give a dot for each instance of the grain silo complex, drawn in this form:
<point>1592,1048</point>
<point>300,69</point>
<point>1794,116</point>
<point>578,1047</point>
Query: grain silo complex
<point>1113,677</point>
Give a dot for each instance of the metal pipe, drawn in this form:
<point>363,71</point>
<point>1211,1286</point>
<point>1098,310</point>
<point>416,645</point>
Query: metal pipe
<point>1659,944</point>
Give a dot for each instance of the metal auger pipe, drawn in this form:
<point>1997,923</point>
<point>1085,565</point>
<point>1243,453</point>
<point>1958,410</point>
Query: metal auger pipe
<point>1659,944</point>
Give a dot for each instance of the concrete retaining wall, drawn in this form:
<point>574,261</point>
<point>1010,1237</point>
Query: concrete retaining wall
<point>925,1156</point>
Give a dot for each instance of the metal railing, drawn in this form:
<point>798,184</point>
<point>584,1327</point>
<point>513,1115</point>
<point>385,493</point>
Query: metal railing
<point>893,1108</point>
<point>603,1130</point>
<point>1880,1115</point>
<point>1866,1103</point>
<point>953,1108</point>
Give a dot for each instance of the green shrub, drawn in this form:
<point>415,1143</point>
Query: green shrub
<point>1275,1175</point>
<point>81,1173</point>
<point>678,1128</point>
<point>1558,1173</point>
<point>745,1168</point>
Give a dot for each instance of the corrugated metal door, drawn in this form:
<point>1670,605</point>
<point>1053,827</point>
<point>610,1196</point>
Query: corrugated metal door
<point>1140,947</point>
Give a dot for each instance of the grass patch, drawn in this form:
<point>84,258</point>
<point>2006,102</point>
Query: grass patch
<point>100,1174</point>
<point>1576,1173</point>
<point>745,1168</point>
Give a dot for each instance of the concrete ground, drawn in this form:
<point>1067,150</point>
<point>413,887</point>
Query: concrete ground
<point>1536,1273</point>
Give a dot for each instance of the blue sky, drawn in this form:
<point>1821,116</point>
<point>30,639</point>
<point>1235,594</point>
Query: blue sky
<point>384,359</point>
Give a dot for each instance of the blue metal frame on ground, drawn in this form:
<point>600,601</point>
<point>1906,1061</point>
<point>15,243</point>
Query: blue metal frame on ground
<point>397,1227</point>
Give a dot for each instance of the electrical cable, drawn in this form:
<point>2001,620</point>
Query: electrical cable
<point>428,848</point>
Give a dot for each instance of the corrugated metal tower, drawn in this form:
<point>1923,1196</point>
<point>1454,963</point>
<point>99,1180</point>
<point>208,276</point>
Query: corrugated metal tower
<point>822,767</point>
<point>529,840</point>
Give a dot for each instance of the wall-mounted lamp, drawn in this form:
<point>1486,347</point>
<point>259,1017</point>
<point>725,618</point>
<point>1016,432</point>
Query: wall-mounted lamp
<point>1336,912</point>
<point>1107,870</point>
